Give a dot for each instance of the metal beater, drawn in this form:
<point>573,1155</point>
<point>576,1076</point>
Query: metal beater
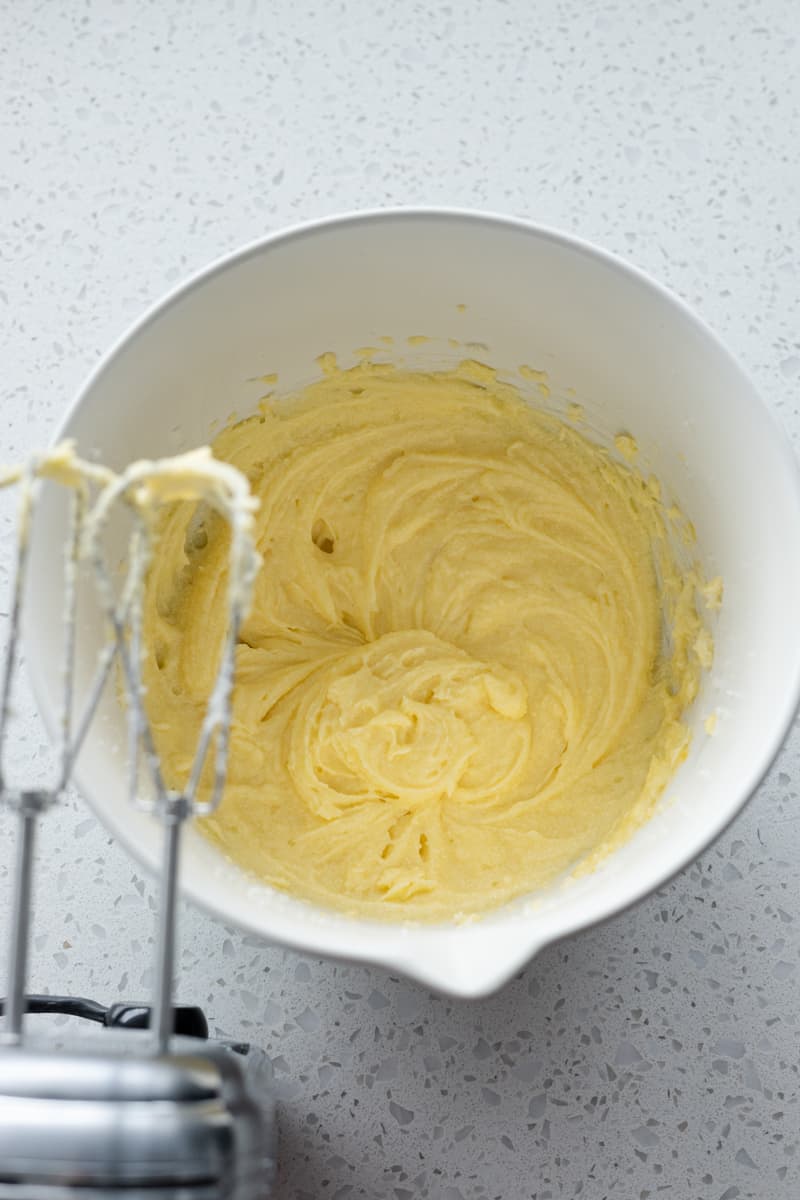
<point>150,1108</point>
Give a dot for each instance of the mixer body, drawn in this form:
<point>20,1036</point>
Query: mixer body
<point>107,1118</point>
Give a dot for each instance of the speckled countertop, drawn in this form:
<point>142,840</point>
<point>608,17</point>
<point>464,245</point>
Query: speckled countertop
<point>657,1055</point>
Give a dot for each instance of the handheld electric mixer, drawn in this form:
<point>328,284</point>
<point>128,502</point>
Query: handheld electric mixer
<point>148,1111</point>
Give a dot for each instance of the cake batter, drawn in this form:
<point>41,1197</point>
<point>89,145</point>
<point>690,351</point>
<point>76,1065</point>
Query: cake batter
<point>468,655</point>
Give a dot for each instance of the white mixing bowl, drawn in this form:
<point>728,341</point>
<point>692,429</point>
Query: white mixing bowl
<point>609,338</point>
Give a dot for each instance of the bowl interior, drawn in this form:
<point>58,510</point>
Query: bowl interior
<point>509,295</point>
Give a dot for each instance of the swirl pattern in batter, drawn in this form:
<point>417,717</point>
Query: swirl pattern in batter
<point>468,656</point>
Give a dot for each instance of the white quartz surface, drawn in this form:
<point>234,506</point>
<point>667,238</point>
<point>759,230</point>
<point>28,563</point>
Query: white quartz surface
<point>657,1055</point>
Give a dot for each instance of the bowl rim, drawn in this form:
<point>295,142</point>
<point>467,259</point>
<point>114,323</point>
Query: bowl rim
<point>416,950</point>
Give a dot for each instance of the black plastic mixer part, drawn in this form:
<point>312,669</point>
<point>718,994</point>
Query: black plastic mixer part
<point>188,1019</point>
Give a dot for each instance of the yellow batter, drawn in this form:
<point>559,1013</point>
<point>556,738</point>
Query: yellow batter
<point>468,654</point>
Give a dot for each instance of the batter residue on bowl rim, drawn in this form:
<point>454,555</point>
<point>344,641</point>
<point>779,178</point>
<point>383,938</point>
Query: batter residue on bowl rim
<point>469,653</point>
